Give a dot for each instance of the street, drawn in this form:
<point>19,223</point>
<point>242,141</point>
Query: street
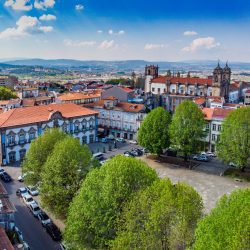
<point>33,232</point>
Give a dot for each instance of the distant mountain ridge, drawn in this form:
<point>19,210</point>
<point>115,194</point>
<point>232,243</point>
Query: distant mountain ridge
<point>126,65</point>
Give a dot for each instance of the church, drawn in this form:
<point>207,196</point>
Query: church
<point>173,89</point>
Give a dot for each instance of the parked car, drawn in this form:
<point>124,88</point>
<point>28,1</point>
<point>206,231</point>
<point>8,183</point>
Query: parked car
<point>21,178</point>
<point>43,218</point>
<point>35,209</point>
<point>195,157</point>
<point>120,140</point>
<point>28,200</point>
<point>104,140</point>
<point>128,154</point>
<point>132,142</point>
<point>211,154</point>
<point>2,170</point>
<point>18,234</point>
<point>53,231</point>
<point>32,190</point>
<point>5,177</point>
<point>203,158</point>
<point>25,246</point>
<point>22,191</point>
<point>232,164</point>
<point>110,137</point>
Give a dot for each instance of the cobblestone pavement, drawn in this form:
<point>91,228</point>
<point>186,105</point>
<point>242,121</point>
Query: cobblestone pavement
<point>211,187</point>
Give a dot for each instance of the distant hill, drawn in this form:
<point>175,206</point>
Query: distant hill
<point>126,65</point>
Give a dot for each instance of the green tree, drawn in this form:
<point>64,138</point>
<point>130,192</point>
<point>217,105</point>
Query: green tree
<point>37,155</point>
<point>63,173</point>
<point>153,133</point>
<point>162,216</point>
<point>228,225</point>
<point>234,143</point>
<point>91,221</point>
<point>187,128</point>
<point>6,94</point>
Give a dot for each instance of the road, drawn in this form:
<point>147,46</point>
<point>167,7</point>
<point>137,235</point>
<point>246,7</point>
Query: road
<point>33,232</point>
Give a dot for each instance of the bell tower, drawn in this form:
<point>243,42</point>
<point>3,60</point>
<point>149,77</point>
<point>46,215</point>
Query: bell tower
<point>151,72</point>
<point>217,80</point>
<point>226,79</point>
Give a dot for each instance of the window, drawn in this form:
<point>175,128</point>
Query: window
<point>153,89</point>
<point>91,138</point>
<point>214,127</point>
<point>159,90</point>
<point>218,137</point>
<point>213,137</point>
<point>219,127</point>
<point>21,138</point>
<point>207,126</point>
<point>12,156</point>
<point>11,140</point>
<point>173,91</point>
<point>76,127</point>
<point>31,136</point>
<point>65,128</point>
<point>83,126</point>
<point>84,140</point>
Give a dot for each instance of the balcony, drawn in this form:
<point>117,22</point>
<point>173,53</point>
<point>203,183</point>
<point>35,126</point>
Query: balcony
<point>11,144</point>
<point>21,142</point>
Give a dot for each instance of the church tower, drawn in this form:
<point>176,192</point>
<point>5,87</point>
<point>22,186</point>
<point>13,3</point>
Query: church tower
<point>221,81</point>
<point>151,72</point>
<point>217,81</point>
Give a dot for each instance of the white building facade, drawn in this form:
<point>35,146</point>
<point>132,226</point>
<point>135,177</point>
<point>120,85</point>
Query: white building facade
<point>17,132</point>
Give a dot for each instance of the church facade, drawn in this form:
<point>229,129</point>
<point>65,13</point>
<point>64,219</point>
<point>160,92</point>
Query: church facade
<point>174,89</point>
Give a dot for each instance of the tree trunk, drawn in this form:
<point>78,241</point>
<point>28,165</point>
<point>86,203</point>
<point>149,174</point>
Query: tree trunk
<point>242,169</point>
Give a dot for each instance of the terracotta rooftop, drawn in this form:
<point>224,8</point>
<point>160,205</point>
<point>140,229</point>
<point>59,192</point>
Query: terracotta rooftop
<point>6,207</point>
<point>200,100</point>
<point>29,115</point>
<point>5,243</point>
<point>123,106</point>
<point>78,96</point>
<point>112,98</point>
<point>212,113</point>
<point>182,80</point>
<point>233,86</point>
<point>11,101</point>
<point>128,90</point>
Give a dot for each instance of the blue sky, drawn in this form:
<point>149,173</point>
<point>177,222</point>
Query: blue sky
<point>132,29</point>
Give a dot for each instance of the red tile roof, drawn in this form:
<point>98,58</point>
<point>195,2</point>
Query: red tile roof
<point>5,243</point>
<point>123,106</point>
<point>128,90</point>
<point>29,115</point>
<point>183,80</point>
<point>212,113</point>
<point>112,98</point>
<point>78,96</point>
<point>200,100</point>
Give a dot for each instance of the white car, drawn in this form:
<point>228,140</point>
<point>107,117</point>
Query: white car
<point>28,200</point>
<point>35,209</point>
<point>32,190</point>
<point>2,170</point>
<point>132,142</point>
<point>22,192</point>
<point>21,177</point>
<point>43,218</point>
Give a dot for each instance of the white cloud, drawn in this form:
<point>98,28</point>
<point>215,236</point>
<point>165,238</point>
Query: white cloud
<point>201,43</point>
<point>111,32</point>
<point>48,17</point>
<point>24,5</point>
<point>46,29</point>
<point>79,7</point>
<point>79,44</point>
<point>107,44</point>
<point>44,4</point>
<point>26,25</point>
<point>190,33</point>
<point>99,31</point>
<point>120,32</point>
<point>150,46</point>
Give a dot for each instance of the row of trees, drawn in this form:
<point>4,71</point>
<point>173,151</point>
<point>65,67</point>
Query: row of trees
<point>57,163</point>
<point>124,205</point>
<point>186,130</point>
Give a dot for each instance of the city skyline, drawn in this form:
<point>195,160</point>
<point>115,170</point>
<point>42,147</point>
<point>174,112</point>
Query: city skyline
<point>90,30</point>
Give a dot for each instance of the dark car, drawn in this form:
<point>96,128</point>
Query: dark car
<point>53,231</point>
<point>5,177</point>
